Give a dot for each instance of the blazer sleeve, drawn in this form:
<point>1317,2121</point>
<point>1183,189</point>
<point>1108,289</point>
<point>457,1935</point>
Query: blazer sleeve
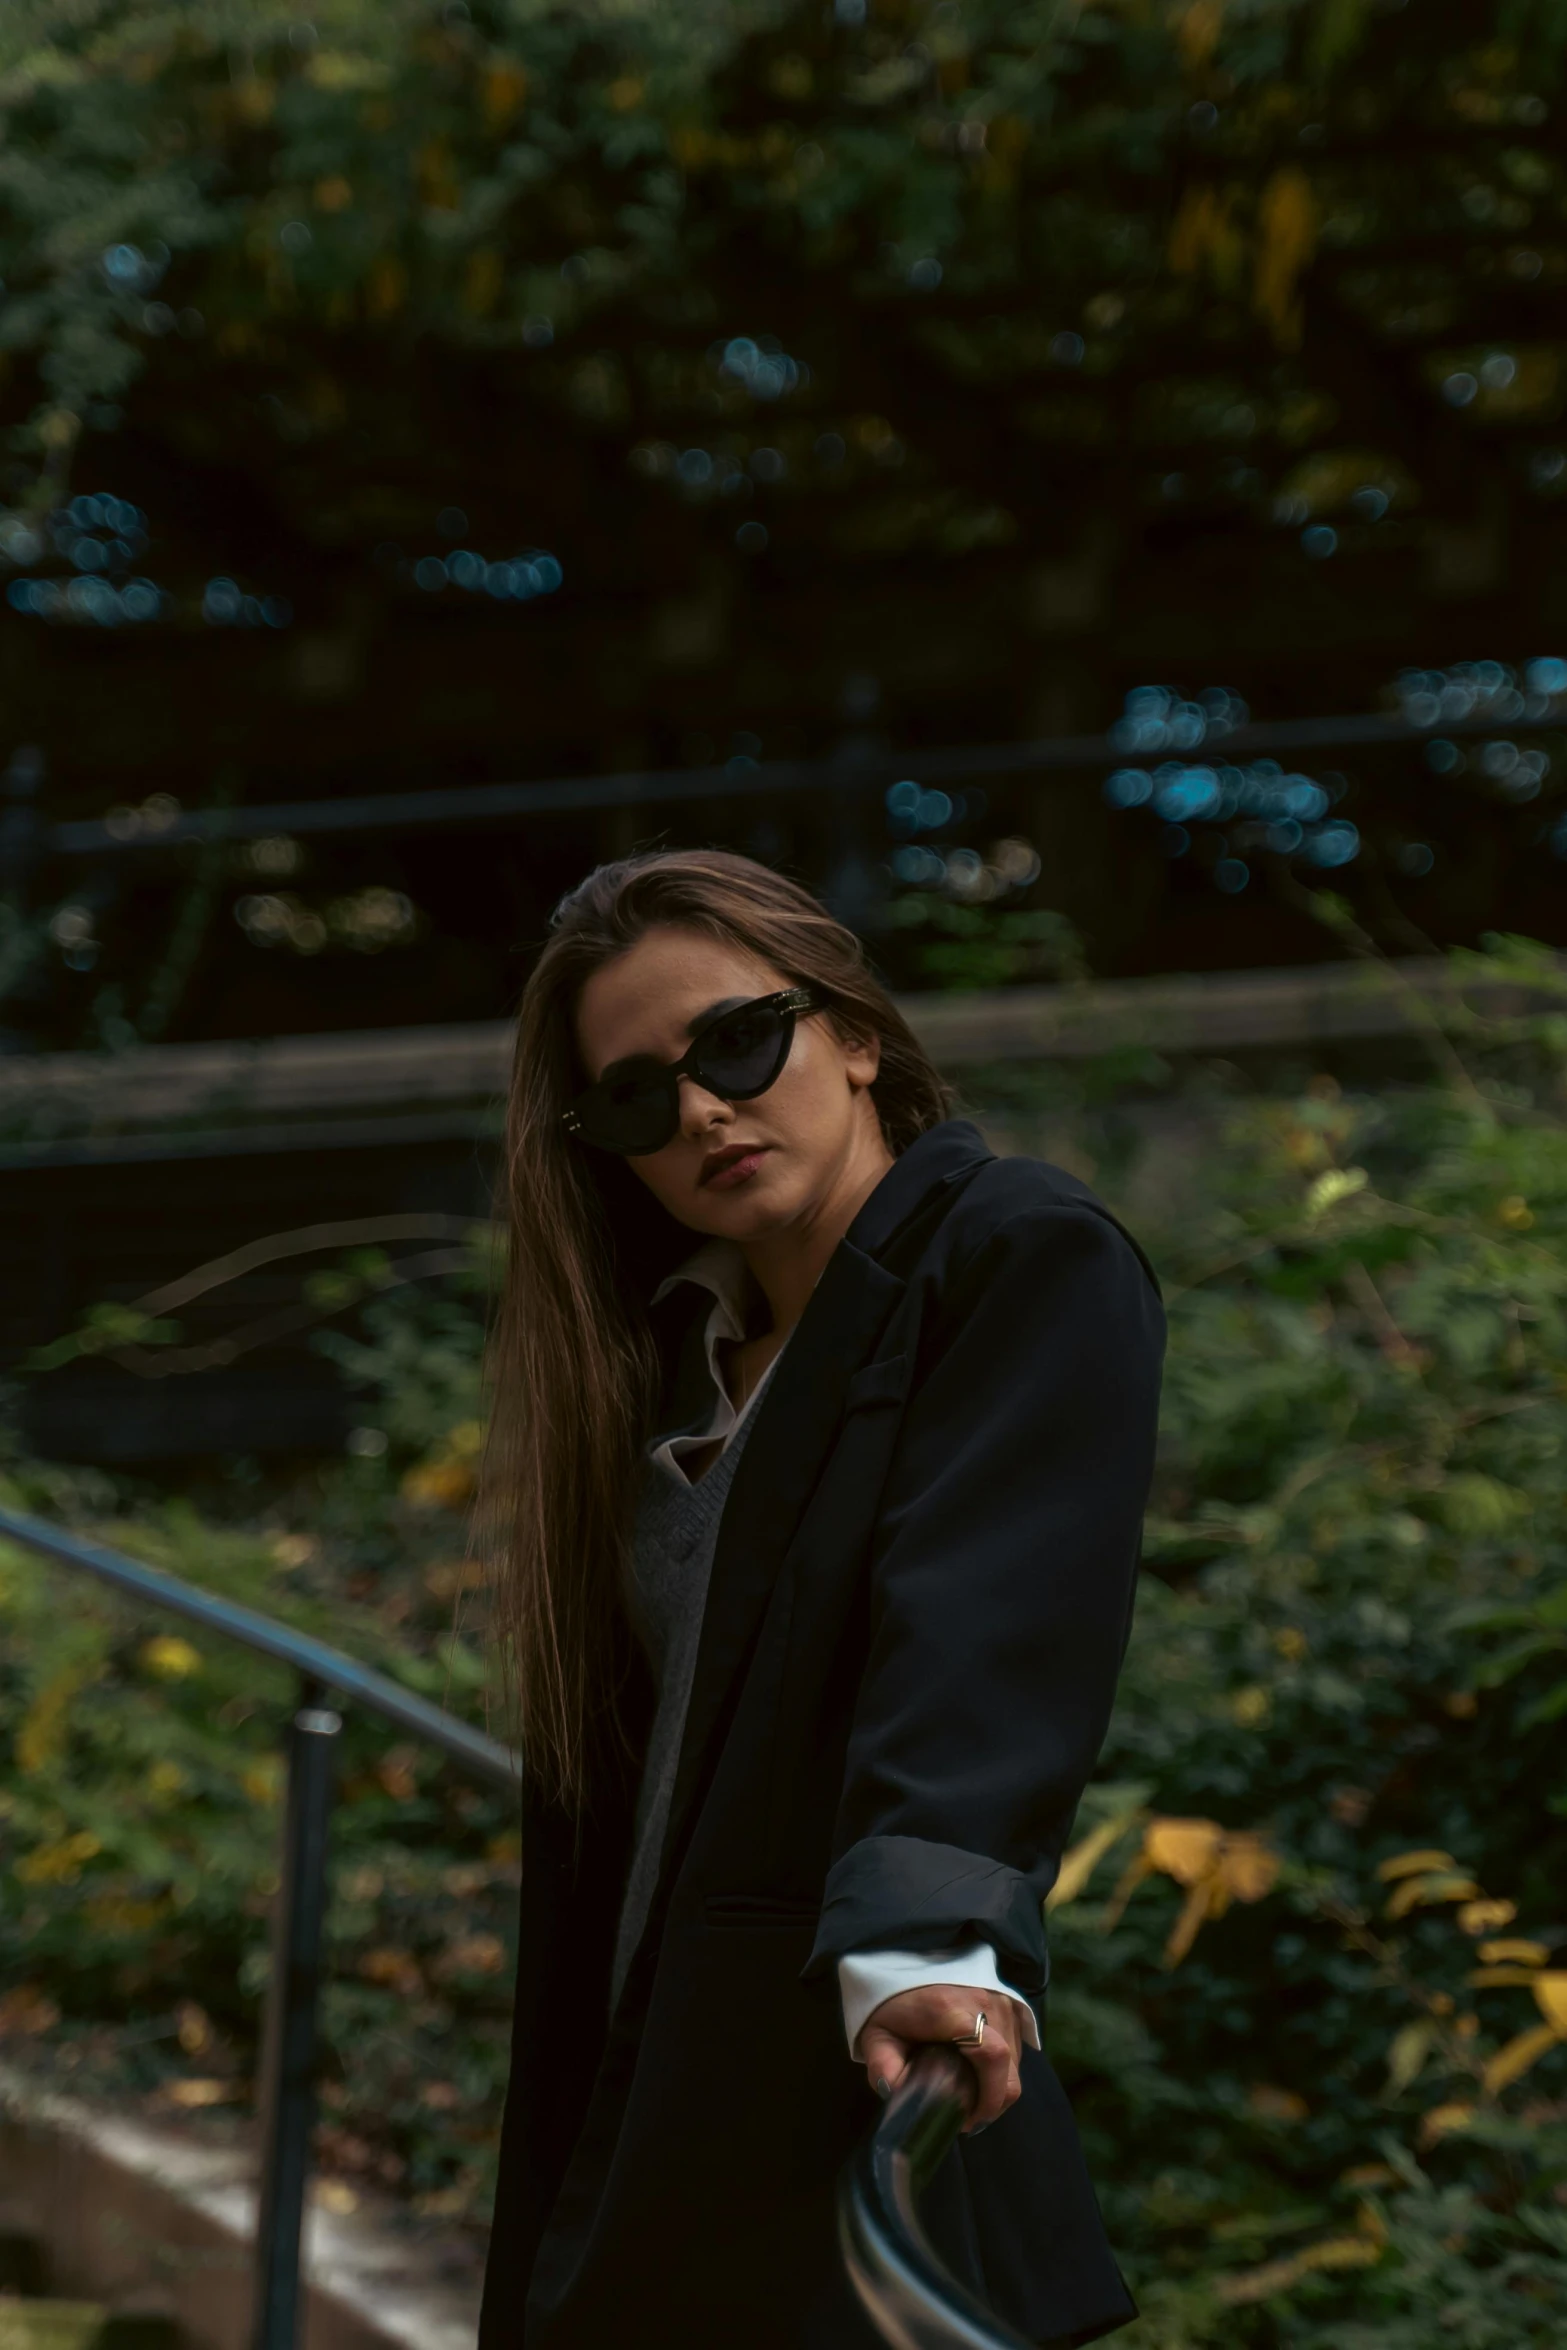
<point>1002,1577</point>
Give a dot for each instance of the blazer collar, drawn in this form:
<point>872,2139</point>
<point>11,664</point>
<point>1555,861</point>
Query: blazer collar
<point>933,1159</point>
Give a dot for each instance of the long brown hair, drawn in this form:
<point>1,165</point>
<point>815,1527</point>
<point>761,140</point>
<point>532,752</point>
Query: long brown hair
<point>573,1367</point>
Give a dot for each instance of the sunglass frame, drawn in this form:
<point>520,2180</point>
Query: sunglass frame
<point>790,1003</point>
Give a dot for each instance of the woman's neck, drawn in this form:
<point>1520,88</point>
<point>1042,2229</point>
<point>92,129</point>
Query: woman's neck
<point>788,1262</point>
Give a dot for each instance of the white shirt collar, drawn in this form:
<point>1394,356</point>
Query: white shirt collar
<point>719,1267</point>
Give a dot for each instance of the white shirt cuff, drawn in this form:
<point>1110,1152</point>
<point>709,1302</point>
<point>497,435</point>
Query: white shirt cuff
<point>867,1977</point>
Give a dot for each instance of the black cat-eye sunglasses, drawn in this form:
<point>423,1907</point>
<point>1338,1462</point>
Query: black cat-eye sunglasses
<point>635,1107</point>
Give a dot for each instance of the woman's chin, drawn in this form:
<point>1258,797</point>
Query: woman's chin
<point>743,1211</point>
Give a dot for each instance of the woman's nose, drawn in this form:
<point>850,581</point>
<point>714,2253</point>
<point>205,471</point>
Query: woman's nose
<point>701,1111</point>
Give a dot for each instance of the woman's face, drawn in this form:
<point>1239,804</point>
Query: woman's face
<point>735,1168</point>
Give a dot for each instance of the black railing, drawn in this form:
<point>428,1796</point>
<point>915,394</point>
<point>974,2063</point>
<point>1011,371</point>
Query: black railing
<point>288,2049</point>
<point>861,770</point>
<point>910,2297</point>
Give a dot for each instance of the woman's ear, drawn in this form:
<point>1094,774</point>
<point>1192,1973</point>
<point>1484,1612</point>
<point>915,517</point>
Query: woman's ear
<point>861,1056</point>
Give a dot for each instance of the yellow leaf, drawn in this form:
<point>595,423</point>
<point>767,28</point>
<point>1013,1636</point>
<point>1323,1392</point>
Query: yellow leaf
<point>1410,1864</point>
<point>194,2094</point>
<point>1126,1885</point>
<point>334,194</point>
<point>1203,235</point>
<point>1342,2252</point>
<point>1079,1864</point>
<point>398,1773</point>
<point>58,1864</point>
<point>1415,1892</point>
<point>334,2195</point>
<point>483,280</point>
<point>397,1969</point>
<point>263,1780</point>
<point>253,100</point>
<point>169,1658</point>
<point>1199,29</point>
<point>1197,1906</point>
<point>449,1578</point>
<point>439,1484</point>
<point>437,178</point>
<point>1276,2276</point>
<point>45,1727</point>
<point>1370,2222</point>
<point>1478,1917</point>
<point>1442,2120</point>
<point>194,2027</point>
<point>1550,1993</point>
<point>1183,1849</point>
<point>1407,2054</point>
<point>1338,1183</point>
<point>387,289</point>
<point>1500,1978</point>
<point>474,1954</point>
<point>1509,2063</point>
<point>1270,2104</point>
<point>27,2009</point>
<point>505,87</point>
<point>1521,1952</point>
<point>1286,240</point>
<point>1249,1866</point>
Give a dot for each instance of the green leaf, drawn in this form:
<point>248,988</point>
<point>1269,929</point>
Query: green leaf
<point>1549,1708</point>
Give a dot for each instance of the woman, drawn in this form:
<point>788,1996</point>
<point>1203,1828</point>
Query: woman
<point>821,1443</point>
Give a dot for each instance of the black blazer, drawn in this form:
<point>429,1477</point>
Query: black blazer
<point>919,1604</point>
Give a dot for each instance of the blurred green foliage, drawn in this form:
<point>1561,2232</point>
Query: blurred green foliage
<point>1350,1644</point>
<point>607,188</point>
<point>1310,1974</point>
<point>140,1791</point>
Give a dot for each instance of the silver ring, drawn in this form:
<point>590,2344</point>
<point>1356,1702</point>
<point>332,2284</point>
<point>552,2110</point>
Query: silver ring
<point>974,2039</point>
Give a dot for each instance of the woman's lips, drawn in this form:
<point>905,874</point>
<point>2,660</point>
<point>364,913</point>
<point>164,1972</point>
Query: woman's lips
<point>732,1172</point>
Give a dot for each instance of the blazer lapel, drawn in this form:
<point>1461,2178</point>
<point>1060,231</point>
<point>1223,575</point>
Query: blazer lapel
<point>795,1423</point>
<point>797,1420</point>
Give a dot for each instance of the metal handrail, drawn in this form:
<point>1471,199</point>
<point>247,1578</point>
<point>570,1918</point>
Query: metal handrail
<point>288,2059</point>
<point>314,1659</point>
<point>909,2295</point>
<point>911,2298</point>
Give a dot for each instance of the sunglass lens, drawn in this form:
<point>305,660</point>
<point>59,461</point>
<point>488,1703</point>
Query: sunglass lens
<point>742,1054</point>
<point>632,1115</point>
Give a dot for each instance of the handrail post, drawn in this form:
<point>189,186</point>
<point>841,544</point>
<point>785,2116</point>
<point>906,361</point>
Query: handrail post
<point>289,2037</point>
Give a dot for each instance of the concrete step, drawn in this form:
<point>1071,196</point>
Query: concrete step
<point>28,2324</point>
<point>51,2325</point>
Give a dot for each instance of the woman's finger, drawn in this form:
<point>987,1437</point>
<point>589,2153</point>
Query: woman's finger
<point>994,2066</point>
<point>885,2057</point>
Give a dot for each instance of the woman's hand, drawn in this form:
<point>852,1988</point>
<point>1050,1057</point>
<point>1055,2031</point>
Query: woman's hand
<point>946,2011</point>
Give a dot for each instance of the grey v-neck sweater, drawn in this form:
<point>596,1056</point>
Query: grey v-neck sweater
<point>671,1562</point>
